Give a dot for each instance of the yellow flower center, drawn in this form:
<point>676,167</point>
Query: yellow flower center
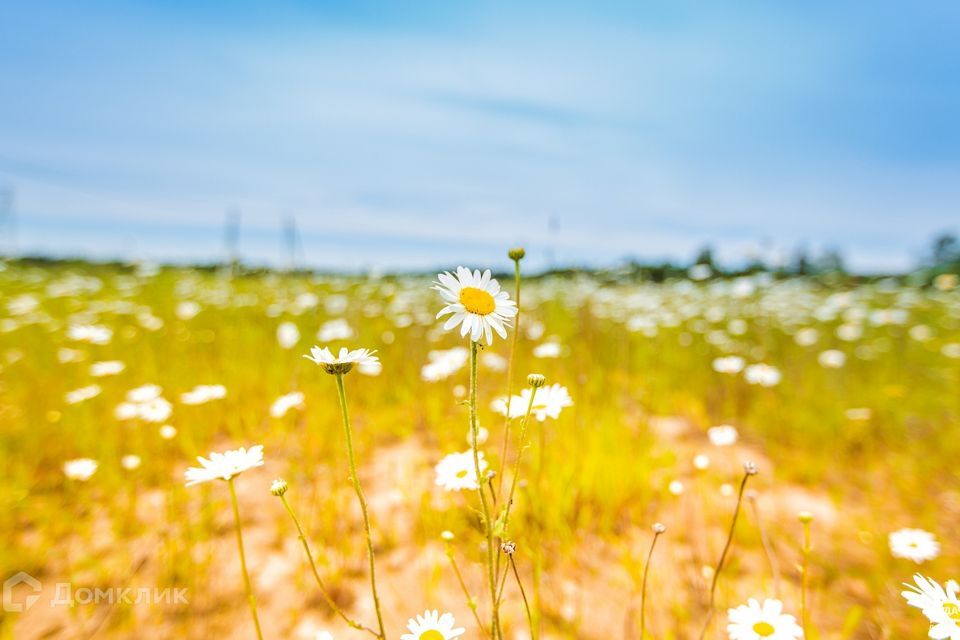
<point>477,301</point>
<point>462,473</point>
<point>431,634</point>
<point>762,629</point>
<point>952,609</point>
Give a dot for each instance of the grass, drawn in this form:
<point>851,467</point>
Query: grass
<point>633,354</point>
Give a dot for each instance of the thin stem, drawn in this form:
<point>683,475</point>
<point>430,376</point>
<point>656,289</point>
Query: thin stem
<point>804,578</point>
<point>251,600</point>
<point>520,447</point>
<point>526,605</point>
<point>643,585</point>
<point>471,601</point>
<point>363,502</point>
<point>488,523</point>
<point>316,573</point>
<point>503,583</point>
<point>723,556</point>
<point>766,544</point>
<point>513,350</point>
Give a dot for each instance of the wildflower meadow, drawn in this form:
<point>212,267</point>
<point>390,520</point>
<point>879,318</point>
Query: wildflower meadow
<point>469,454</point>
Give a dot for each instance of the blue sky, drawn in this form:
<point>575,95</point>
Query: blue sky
<point>422,134</point>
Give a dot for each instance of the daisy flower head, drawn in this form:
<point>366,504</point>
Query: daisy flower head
<point>80,469</point>
<point>475,302</point>
<point>753,621</point>
<point>938,603</point>
<point>457,471</point>
<point>342,362</point>
<point>914,544</point>
<point>224,466</point>
<point>432,626</point>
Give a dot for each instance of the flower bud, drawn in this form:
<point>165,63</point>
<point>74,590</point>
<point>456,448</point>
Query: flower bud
<point>516,254</point>
<point>750,468</point>
<point>279,487</point>
<point>536,380</point>
<point>805,517</point>
<point>509,547</point>
<point>658,528</point>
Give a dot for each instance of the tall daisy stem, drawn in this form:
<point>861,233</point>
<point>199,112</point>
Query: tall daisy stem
<point>251,600</point>
<point>513,349</point>
<point>363,502</point>
<point>487,521</point>
<point>523,594</point>
<point>750,470</point>
<point>471,601</point>
<point>657,532</point>
<point>316,574</point>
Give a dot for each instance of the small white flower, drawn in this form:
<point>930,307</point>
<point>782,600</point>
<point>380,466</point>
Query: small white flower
<point>475,302</point>
<point>444,363</point>
<point>675,487</point>
<point>768,622</point>
<point>762,374</point>
<point>334,330</point>
<point>187,309</point>
<point>288,335</point>
<point>343,361</point>
<point>145,393</point>
<point>939,604</point>
<point>547,403</point>
<point>457,471</point>
<point>284,403</point>
<point>832,359</point>
<point>130,462</point>
<point>723,435</point>
<point>224,466</point>
<point>80,469</point>
<point>547,350</point>
<point>94,334</point>
<point>106,368</point>
<point>482,434</point>
<point>168,432</point>
<point>83,393</point>
<point>914,544</point>
<point>728,364</point>
<point>203,393</point>
<point>432,626</point>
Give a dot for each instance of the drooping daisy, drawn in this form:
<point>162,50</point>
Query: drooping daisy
<point>80,469</point>
<point>224,466</point>
<point>457,471</point>
<point>342,362</point>
<point>476,303</point>
<point>914,544</point>
<point>939,604</point>
<point>432,626</point>
<point>768,622</point>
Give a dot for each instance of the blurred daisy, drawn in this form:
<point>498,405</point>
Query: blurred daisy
<point>476,303</point>
<point>130,462</point>
<point>457,471</point>
<point>444,363</point>
<point>284,403</point>
<point>343,361</point>
<point>80,469</point>
<point>755,622</point>
<point>914,544</point>
<point>723,435</point>
<point>203,393</point>
<point>432,626</point>
<point>832,359</point>
<point>93,334</point>
<point>547,350</point>
<point>548,403</point>
<point>288,335</point>
<point>482,435</point>
<point>762,374</point>
<point>81,394</point>
<point>144,393</point>
<point>728,364</point>
<point>224,466</point>
<point>939,604</point>
<point>168,432</point>
<point>333,330</point>
<point>106,368</point>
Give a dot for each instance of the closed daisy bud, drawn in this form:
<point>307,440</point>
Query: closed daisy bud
<point>805,517</point>
<point>750,468</point>
<point>509,547</point>
<point>659,528</point>
<point>517,253</point>
<point>536,380</point>
<point>279,487</point>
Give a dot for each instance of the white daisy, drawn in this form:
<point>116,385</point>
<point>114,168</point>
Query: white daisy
<point>432,626</point>
<point>548,403</point>
<point>80,469</point>
<point>224,466</point>
<point>106,368</point>
<point>939,604</point>
<point>203,393</point>
<point>754,622</point>
<point>284,403</point>
<point>457,471</point>
<point>476,303</point>
<point>728,364</point>
<point>83,393</point>
<point>723,435</point>
<point>288,335</point>
<point>342,362</point>
<point>914,544</point>
<point>762,374</point>
<point>130,462</point>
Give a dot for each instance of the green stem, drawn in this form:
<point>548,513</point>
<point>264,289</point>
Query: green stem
<point>471,601</point>
<point>643,586</point>
<point>723,555</point>
<point>251,600</point>
<point>520,447</point>
<point>363,502</point>
<point>513,350</point>
<point>488,523</point>
<point>526,605</point>
<point>316,573</point>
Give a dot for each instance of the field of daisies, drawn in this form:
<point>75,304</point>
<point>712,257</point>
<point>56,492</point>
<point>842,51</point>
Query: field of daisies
<point>198,454</point>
